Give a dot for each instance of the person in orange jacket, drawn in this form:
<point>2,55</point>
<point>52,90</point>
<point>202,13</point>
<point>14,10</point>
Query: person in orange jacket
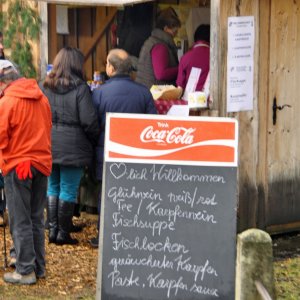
<point>26,161</point>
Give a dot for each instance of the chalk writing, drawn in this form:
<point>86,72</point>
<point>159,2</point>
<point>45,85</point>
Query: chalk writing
<point>172,214</point>
<point>165,232</point>
<point>148,261</point>
<point>117,280</point>
<point>170,174</point>
<point>143,244</point>
<point>156,281</point>
<point>156,227</point>
<point>199,289</point>
<point>185,265</point>
<point>133,193</point>
<point>190,198</point>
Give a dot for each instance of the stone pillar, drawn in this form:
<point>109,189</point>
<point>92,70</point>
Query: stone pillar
<point>254,266</point>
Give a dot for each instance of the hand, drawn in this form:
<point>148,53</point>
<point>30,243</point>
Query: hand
<point>23,170</point>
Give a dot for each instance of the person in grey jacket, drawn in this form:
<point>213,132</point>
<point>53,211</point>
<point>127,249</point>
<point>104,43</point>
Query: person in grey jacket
<point>158,60</point>
<point>75,133</point>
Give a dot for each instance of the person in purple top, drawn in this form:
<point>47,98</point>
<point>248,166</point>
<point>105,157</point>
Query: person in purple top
<point>158,59</point>
<point>197,57</point>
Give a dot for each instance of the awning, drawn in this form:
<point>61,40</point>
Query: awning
<point>95,2</point>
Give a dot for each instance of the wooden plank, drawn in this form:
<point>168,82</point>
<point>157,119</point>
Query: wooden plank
<point>215,67</point>
<point>71,38</point>
<point>101,47</point>
<point>248,135</point>
<point>43,9</point>
<point>283,136</point>
<point>263,109</point>
<point>248,121</point>
<point>52,36</point>
<point>85,34</point>
<point>96,2</point>
<point>91,43</point>
<point>281,228</point>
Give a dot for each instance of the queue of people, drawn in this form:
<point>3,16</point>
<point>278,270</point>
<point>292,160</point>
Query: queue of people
<point>57,128</point>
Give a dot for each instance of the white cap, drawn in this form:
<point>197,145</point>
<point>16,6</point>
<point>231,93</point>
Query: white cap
<point>4,63</point>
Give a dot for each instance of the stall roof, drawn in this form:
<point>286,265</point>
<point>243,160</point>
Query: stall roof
<point>95,2</point>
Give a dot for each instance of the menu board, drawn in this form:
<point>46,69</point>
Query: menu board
<point>168,219</point>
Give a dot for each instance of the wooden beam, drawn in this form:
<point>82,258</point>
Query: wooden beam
<point>215,62</point>
<point>281,228</point>
<point>43,9</point>
<point>99,33</point>
<point>52,35</point>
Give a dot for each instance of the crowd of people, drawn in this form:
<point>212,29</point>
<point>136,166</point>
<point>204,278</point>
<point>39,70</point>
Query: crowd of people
<point>50,132</point>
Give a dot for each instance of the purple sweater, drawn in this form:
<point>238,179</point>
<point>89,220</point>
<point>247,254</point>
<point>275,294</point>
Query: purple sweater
<point>197,57</point>
<point>160,62</point>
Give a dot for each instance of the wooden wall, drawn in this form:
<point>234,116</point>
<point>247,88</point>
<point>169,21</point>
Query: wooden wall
<point>268,179</point>
<point>90,31</point>
<point>250,175</point>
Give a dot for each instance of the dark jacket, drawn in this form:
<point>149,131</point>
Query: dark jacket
<point>1,183</point>
<point>145,72</point>
<point>75,128</point>
<point>123,95</point>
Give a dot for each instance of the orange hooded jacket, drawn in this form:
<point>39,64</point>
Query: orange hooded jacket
<point>25,127</point>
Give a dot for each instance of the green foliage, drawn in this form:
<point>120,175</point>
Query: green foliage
<point>21,23</point>
<point>287,278</point>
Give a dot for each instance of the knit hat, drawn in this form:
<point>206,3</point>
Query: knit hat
<point>4,64</point>
<point>6,67</point>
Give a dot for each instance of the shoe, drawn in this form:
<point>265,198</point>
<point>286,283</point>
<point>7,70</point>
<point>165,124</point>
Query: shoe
<point>91,210</point>
<point>17,278</point>
<point>40,276</point>
<point>12,262</point>
<point>94,242</point>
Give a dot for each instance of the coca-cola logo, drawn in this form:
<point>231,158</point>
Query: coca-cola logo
<point>176,135</point>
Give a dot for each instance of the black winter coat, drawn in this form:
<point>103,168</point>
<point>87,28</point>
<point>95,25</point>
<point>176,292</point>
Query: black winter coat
<point>75,129</point>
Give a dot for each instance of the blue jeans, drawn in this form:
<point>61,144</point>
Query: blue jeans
<point>63,182</point>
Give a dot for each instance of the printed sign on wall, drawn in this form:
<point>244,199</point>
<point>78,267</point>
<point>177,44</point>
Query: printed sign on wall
<point>240,63</point>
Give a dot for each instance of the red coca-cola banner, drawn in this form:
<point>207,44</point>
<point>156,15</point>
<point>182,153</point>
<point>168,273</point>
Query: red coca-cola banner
<point>171,140</point>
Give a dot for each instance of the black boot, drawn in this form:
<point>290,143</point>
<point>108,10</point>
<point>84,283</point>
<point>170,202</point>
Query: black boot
<point>52,218</point>
<point>65,214</point>
<point>76,228</point>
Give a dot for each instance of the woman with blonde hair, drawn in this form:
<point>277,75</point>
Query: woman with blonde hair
<point>75,132</point>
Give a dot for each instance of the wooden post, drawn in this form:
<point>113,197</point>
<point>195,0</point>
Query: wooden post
<point>254,265</point>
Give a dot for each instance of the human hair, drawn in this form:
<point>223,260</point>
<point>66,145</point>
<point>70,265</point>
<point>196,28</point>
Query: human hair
<point>167,17</point>
<point>1,35</point>
<point>120,61</point>
<point>202,33</point>
<point>67,67</point>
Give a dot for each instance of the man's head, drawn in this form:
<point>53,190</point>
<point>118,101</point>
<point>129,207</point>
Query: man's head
<point>118,62</point>
<point>202,33</point>
<point>1,46</point>
<point>8,73</point>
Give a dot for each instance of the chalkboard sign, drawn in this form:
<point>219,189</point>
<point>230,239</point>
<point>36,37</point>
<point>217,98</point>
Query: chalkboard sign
<point>169,211</point>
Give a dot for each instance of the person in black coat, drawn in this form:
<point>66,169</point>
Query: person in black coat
<point>75,133</point>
